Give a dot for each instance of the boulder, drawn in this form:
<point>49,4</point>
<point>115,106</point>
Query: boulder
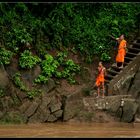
<point>48,111</point>
<point>4,79</point>
<point>25,106</point>
<point>45,101</point>
<point>1,114</point>
<point>40,116</point>
<point>85,75</point>
<point>58,113</point>
<point>13,91</point>
<point>7,103</point>
<point>36,71</point>
<point>51,118</point>
<point>55,107</point>
<point>32,108</point>
<point>129,110</point>
<point>13,67</point>
<point>72,105</point>
<point>135,86</point>
<point>48,87</point>
<point>13,117</point>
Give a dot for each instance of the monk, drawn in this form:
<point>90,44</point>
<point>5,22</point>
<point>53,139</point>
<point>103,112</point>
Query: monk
<point>100,79</point>
<point>121,51</point>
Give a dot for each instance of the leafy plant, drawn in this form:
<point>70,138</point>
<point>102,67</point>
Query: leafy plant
<point>61,57</point>
<point>27,60</point>
<point>49,66</point>
<point>5,56</point>
<point>17,81</point>
<point>41,79</point>
<point>105,57</point>
<point>69,71</point>
<point>33,93</point>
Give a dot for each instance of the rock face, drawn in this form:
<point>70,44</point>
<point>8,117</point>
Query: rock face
<point>50,86</point>
<point>13,117</point>
<point>4,79</point>
<point>49,110</point>
<point>73,105</point>
<point>85,75</point>
<point>15,107</point>
<point>135,89</point>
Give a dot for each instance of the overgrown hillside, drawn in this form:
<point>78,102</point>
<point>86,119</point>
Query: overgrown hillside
<point>30,30</point>
<point>41,42</point>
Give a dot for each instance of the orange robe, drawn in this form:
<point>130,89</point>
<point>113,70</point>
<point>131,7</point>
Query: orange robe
<point>100,78</point>
<point>121,51</point>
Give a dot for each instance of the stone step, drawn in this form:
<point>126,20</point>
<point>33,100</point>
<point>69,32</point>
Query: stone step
<point>115,68</point>
<point>128,58</point>
<point>136,44</point>
<point>112,72</point>
<point>131,54</point>
<point>107,81</point>
<point>126,63</point>
<point>138,40</point>
<point>136,50</point>
<point>100,103</point>
<point>108,76</point>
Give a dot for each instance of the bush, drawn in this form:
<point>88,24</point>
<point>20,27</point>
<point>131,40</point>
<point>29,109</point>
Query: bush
<point>33,93</point>
<point>5,56</point>
<point>27,60</point>
<point>105,57</point>
<point>18,82</point>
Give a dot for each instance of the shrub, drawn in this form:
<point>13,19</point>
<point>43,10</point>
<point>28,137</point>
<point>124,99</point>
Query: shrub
<point>5,56</point>
<point>17,81</point>
<point>27,60</point>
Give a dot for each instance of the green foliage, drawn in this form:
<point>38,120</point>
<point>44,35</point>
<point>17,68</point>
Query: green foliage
<point>41,79</point>
<point>89,30</point>
<point>105,57</point>
<point>61,57</point>
<point>17,36</point>
<point>72,66</point>
<point>5,56</point>
<point>86,26</point>
<point>18,82</point>
<point>27,60</point>
<point>51,65</point>
<point>69,71</point>
<point>16,100</point>
<point>33,93</point>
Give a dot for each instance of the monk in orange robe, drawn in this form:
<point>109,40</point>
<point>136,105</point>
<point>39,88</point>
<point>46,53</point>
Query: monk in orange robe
<point>100,78</point>
<point>121,51</point>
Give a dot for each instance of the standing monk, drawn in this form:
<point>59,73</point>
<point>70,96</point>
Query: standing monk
<point>100,79</point>
<point>121,50</point>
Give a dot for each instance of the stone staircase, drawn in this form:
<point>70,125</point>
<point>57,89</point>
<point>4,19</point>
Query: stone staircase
<point>116,77</point>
